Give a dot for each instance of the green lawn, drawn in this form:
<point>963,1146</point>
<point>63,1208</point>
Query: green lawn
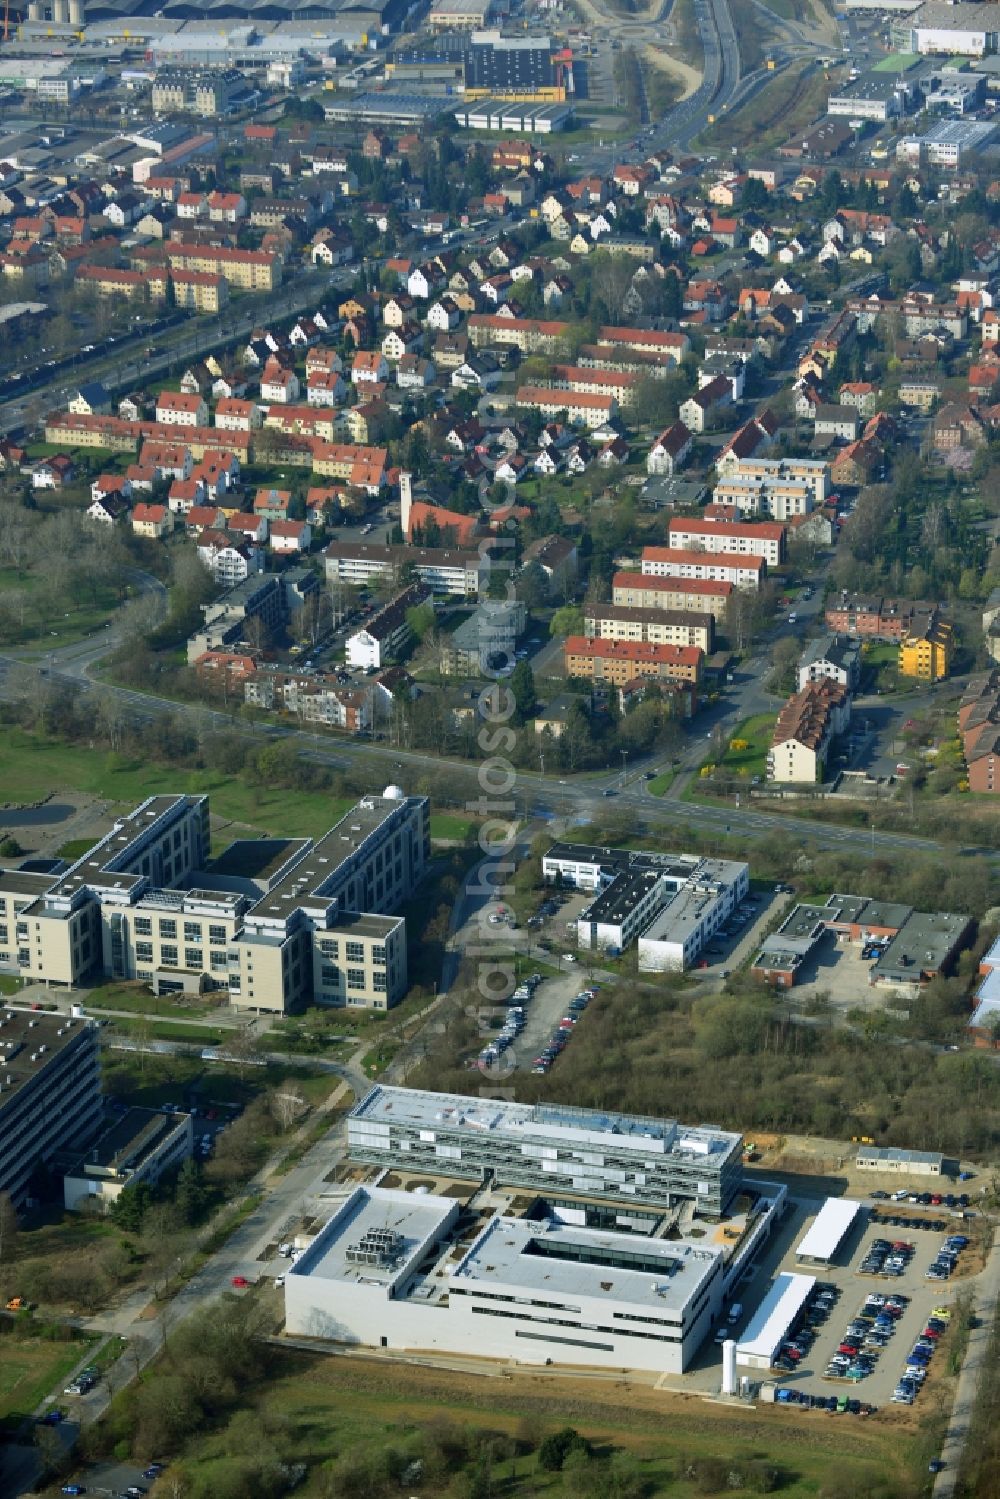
<point>753,760</point>
<point>168,1030</point>
<point>137,1000</point>
<point>326,1408</point>
<point>660,784</point>
<point>30,765</point>
<point>446,825</point>
<point>9,984</point>
<point>31,1369</point>
<point>47,623</point>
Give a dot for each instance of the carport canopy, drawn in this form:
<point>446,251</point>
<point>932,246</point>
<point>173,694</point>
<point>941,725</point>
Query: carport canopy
<point>826,1234</point>
<point>771,1321</point>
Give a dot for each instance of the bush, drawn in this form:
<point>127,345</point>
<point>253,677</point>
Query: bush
<point>557,1446</point>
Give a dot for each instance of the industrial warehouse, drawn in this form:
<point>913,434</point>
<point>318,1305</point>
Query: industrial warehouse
<point>596,1239</point>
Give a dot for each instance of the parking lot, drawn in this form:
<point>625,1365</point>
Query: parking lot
<point>851,1287</point>
<point>741,936</point>
<point>836,969</point>
<point>552,1001</point>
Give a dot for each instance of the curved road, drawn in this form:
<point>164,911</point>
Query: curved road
<point>540,796</point>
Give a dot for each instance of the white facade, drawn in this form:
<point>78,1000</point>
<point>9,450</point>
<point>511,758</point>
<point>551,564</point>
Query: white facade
<point>674,903</point>
<point>383,1273</point>
<point>364,650</point>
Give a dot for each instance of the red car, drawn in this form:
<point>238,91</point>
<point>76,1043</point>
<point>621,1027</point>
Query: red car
<point>240,1282</point>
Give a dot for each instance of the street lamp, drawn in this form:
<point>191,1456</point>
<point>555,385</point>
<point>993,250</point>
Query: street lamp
<point>624,767</point>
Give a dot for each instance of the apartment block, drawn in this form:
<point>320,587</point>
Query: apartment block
<point>641,591</point>
<point>873,617</point>
<point>926,653</point>
<point>623,661</point>
<point>658,626</point>
<point>248,270</point>
<point>738,538</point>
<point>720,567</point>
<point>804,730</point>
<point>815,472</point>
<point>50,1088</point>
<point>443,570</point>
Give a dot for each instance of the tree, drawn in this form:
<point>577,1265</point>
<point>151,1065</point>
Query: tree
<point>755,195</point>
<point>522,685</point>
<point>532,586</point>
<point>557,1446</point>
<point>785,658</point>
<point>566,621</point>
<point>131,1206</point>
<point>190,1195</point>
<point>421,620</point>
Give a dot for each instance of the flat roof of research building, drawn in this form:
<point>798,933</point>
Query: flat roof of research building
<point>616,1267</point>
<point>548,1147</point>
<point>375,1237</point>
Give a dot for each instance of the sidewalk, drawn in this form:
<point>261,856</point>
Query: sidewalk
<point>984,1309</point>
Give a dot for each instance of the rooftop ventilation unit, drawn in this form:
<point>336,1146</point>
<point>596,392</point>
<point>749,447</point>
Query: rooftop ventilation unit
<point>379,1246</point>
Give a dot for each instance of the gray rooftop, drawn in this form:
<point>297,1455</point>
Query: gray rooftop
<point>28,1042</point>
<point>614,1267</point>
<point>904,1157</point>
<point>312,873</point>
<point>398,1224</point>
<point>411,1108</point>
<point>922,946</point>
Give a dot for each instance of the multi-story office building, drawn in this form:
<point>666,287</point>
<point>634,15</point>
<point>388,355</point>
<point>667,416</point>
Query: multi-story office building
<point>138,1146</point>
<point>279,922</point>
<point>673,903</point>
<point>549,1148</point>
<point>50,1098</point>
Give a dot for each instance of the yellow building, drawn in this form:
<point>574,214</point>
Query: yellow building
<point>927,657</point>
<point>250,270</point>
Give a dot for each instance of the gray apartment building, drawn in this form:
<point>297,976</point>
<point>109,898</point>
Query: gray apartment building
<point>50,1092</point>
<point>548,1148</point>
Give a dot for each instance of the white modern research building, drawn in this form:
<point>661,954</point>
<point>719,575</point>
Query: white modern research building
<point>386,1272</point>
<point>549,1148</point>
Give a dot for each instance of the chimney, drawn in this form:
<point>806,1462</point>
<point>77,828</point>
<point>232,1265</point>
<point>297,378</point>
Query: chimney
<point>405,501</point>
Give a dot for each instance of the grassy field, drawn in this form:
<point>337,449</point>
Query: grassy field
<point>660,784</point>
<point>170,1030</point>
<point>8,984</point>
<point>137,1000</point>
<point>782,108</point>
<point>30,765</point>
<point>752,761</point>
<point>445,825</point>
<point>328,1407</point>
<point>30,1369</point>
<point>45,621</point>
